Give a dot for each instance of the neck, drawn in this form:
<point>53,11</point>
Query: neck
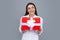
<point>31,15</point>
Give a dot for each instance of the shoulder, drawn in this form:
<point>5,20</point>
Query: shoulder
<point>39,17</point>
<point>24,17</point>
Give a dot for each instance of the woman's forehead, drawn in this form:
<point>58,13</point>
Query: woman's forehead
<point>30,5</point>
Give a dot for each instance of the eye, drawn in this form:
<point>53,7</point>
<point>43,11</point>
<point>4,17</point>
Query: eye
<point>32,7</point>
<point>28,8</point>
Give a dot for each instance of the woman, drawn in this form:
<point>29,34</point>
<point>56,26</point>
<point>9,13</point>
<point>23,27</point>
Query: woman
<point>31,23</point>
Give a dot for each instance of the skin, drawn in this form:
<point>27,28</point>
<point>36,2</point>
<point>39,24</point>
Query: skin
<point>31,10</point>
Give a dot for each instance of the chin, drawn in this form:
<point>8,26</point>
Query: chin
<point>32,13</point>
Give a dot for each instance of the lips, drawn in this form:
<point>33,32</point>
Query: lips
<point>31,11</point>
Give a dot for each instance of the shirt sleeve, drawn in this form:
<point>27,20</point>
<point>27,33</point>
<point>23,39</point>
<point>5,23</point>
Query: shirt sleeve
<point>20,25</point>
<point>41,26</point>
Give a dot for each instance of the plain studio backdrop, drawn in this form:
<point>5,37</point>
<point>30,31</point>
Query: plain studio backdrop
<point>12,10</point>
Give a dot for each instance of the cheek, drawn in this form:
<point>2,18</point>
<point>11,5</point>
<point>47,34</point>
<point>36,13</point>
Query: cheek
<point>31,10</point>
<point>34,10</point>
<point>28,10</point>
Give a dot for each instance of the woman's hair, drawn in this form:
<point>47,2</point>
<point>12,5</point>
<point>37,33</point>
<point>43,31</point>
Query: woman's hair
<point>26,13</point>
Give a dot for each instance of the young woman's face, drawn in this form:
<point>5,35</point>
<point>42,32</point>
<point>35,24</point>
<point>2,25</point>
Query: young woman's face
<point>31,9</point>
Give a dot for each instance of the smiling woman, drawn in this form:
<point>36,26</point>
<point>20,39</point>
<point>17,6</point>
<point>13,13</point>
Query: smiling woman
<point>31,23</point>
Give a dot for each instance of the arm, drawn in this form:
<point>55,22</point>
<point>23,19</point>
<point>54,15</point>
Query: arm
<point>20,25</point>
<point>41,26</point>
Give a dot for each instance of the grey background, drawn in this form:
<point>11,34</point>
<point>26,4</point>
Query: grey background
<point>12,10</point>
